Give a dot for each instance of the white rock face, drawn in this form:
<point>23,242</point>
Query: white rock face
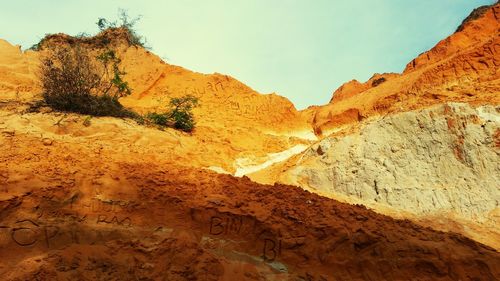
<point>246,166</point>
<point>443,159</point>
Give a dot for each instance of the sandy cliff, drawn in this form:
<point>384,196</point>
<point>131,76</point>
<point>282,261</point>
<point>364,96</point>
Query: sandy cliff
<point>422,144</point>
<point>17,71</point>
<point>114,200</point>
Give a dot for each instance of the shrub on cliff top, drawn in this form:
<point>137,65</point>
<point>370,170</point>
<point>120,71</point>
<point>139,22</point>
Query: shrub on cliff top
<point>74,81</point>
<point>123,28</point>
<point>127,23</point>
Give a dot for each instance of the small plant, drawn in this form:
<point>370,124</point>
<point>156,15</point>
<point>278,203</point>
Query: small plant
<point>109,60</point>
<point>86,121</point>
<point>181,112</point>
<point>160,119</point>
<point>124,21</point>
<point>179,116</point>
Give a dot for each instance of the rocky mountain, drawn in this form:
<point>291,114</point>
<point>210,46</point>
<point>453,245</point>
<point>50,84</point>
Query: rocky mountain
<point>460,68</point>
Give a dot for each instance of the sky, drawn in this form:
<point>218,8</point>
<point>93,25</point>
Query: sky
<point>300,49</point>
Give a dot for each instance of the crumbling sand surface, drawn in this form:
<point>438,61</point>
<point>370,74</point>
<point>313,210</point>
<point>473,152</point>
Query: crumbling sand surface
<point>71,211</point>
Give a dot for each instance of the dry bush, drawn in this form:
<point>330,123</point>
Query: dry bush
<point>75,81</point>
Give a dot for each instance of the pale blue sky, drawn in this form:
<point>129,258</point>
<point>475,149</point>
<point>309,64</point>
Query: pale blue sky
<point>299,49</point>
